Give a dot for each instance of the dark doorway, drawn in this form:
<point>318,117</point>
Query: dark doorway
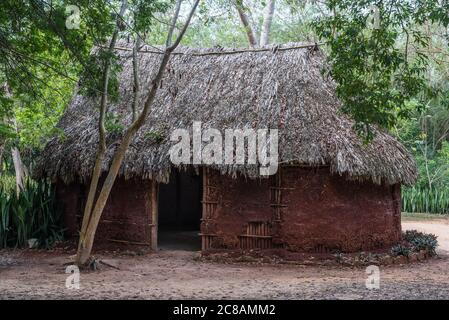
<point>179,211</point>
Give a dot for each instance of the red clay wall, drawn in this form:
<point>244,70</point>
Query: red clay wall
<point>233,203</point>
<point>326,211</point>
<point>301,209</point>
<point>316,211</point>
<point>127,215</point>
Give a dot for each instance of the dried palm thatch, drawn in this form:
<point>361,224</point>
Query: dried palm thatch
<point>283,88</point>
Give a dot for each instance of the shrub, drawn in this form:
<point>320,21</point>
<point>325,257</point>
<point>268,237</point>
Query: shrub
<point>400,250</point>
<point>33,213</point>
<point>7,183</point>
<point>421,241</point>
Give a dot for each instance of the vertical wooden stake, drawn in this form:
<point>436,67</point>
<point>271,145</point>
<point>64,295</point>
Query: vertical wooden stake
<point>204,239</point>
<point>154,214</point>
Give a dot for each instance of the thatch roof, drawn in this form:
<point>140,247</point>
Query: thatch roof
<point>282,88</point>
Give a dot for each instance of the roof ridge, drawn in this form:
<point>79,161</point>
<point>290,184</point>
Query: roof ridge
<point>272,48</point>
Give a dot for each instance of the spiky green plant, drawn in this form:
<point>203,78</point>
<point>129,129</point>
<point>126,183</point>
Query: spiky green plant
<point>421,241</point>
<point>421,200</point>
<point>33,213</point>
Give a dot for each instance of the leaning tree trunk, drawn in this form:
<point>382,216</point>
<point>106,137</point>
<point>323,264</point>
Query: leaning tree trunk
<point>246,24</point>
<point>87,240</point>
<point>267,20</point>
<point>101,151</point>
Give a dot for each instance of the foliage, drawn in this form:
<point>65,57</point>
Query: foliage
<point>426,135</point>
<point>376,78</point>
<point>41,60</point>
<point>217,23</point>
<point>421,241</point>
<point>113,125</point>
<point>415,242</point>
<point>401,250</point>
<point>424,200</point>
<point>8,183</point>
<point>91,81</point>
<point>145,11</point>
<point>155,136</point>
<point>33,214</point>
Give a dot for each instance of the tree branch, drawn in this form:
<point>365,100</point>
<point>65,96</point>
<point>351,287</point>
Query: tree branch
<point>101,142</point>
<point>86,243</point>
<point>136,79</point>
<point>173,23</point>
<point>246,24</point>
<point>267,20</point>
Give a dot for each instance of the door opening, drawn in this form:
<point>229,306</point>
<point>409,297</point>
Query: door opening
<point>179,211</point>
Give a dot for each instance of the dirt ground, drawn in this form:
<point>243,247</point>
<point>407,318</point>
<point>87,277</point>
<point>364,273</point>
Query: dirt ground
<point>178,275</point>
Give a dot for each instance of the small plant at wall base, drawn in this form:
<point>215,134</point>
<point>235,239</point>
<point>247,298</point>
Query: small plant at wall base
<point>31,214</point>
<point>421,241</point>
<point>401,250</point>
<point>415,242</point>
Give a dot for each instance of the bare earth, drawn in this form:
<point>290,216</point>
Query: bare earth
<point>177,275</point>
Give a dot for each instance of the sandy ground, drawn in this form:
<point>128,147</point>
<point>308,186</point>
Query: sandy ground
<point>178,275</point>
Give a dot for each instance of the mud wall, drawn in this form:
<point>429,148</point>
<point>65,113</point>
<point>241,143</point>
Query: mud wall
<point>127,215</point>
<point>230,206</point>
<point>301,209</point>
<point>326,212</point>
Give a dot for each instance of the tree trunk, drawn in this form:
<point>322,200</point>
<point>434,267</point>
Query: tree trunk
<point>267,20</point>
<point>102,140</point>
<point>89,236</point>
<point>136,79</point>
<point>246,24</point>
<point>85,249</point>
<point>19,168</point>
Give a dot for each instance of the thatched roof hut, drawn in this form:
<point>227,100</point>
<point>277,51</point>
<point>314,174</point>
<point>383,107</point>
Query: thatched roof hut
<point>280,88</point>
<point>332,191</point>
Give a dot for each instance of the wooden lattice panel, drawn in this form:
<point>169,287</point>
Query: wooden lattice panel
<point>210,203</point>
<point>257,236</point>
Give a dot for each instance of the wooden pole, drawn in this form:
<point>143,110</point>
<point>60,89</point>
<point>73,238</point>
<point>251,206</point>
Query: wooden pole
<point>154,214</point>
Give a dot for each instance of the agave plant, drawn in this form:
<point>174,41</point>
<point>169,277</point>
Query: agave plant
<point>4,218</point>
<point>31,214</point>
